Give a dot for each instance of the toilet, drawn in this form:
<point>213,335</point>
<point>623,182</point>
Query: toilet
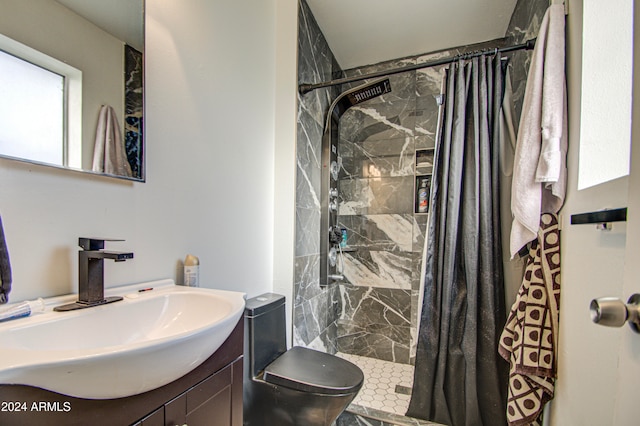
<point>299,386</point>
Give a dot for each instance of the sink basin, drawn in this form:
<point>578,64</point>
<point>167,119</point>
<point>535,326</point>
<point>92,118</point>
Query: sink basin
<point>145,341</point>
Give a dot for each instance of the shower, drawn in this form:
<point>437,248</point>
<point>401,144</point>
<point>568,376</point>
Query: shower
<point>365,305</point>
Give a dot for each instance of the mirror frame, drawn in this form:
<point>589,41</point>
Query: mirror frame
<point>142,177</point>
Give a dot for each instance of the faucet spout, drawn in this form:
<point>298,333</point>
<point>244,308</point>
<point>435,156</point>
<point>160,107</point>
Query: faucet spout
<point>118,256</point>
<point>91,273</point>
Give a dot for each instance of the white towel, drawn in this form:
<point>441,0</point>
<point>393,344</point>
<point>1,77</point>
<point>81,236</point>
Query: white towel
<point>539,175</point>
<point>109,155</point>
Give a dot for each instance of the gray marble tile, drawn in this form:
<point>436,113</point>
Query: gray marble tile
<point>369,305</point>
<point>377,196</point>
<point>427,120</point>
<point>402,85</point>
<point>306,278</point>
<point>378,158</point>
<point>357,415</point>
<point>390,232</point>
<point>378,121</point>
<point>379,268</point>
<point>419,232</point>
<point>307,231</point>
<point>524,25</point>
<point>385,342</point>
<point>308,167</point>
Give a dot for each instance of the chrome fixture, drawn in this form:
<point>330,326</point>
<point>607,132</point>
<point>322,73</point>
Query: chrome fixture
<point>613,312</point>
<point>91,273</point>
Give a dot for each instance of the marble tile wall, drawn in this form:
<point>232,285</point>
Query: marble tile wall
<point>374,313</point>
<point>378,140</point>
<point>524,26</point>
<point>377,146</point>
<point>314,309</point>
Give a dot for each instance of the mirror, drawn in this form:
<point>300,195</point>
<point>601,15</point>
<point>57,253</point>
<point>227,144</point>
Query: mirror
<point>90,56</point>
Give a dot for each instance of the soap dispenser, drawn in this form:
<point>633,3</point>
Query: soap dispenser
<point>191,271</point>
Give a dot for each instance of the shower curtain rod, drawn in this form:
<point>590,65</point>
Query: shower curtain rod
<point>305,88</point>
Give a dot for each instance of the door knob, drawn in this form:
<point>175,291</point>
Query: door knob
<point>613,312</point>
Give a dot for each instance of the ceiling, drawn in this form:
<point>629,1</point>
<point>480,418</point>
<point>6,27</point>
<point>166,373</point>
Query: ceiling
<point>120,18</point>
<point>363,32</point>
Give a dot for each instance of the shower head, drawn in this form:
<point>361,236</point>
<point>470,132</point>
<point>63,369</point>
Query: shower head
<point>369,91</point>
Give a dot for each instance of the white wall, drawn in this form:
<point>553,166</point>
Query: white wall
<point>592,267</point>
<point>285,151</point>
<point>210,142</point>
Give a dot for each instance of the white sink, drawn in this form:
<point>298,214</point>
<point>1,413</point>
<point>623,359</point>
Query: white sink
<point>145,341</point>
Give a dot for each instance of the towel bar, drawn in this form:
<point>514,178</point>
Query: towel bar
<point>602,216</point>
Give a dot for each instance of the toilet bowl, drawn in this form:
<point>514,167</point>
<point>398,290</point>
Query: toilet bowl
<point>299,386</point>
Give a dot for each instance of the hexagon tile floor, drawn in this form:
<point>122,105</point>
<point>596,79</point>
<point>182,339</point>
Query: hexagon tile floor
<point>387,385</point>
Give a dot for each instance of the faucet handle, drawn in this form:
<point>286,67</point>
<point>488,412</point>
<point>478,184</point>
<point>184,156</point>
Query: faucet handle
<point>94,243</point>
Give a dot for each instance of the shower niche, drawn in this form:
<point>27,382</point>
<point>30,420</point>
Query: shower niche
<point>331,236</point>
<point>423,172</point>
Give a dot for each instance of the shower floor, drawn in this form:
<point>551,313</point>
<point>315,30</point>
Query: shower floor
<point>387,385</point>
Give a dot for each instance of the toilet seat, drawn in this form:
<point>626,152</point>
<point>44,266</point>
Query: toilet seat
<point>308,370</point>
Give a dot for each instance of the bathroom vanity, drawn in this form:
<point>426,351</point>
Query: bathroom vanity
<point>210,395</point>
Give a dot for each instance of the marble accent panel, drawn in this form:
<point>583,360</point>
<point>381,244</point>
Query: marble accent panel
<point>312,317</point>
<point>389,343</point>
<point>378,158</point>
<point>350,419</point>
<point>420,222</point>
<point>427,119</point>
<point>369,305</point>
<point>381,148</point>
<point>376,196</point>
<point>380,269</point>
<point>308,158</point>
<point>425,142</point>
<point>390,232</point>
<point>306,279</point>
<point>307,231</point>
<point>316,63</point>
<point>378,121</point>
<point>358,415</point>
<point>327,341</point>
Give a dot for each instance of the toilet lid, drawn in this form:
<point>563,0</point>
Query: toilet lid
<point>308,370</point>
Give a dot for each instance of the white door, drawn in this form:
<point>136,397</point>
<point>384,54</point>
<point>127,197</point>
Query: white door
<point>626,410</point>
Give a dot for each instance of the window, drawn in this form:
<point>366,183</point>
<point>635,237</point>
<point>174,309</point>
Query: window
<point>40,98</point>
<point>605,118</point>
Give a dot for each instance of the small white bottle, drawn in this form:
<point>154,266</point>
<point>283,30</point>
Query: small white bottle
<point>191,271</point>
<point>22,309</point>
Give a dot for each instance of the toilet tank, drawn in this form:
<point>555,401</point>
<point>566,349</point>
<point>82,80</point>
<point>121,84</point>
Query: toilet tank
<point>265,331</point>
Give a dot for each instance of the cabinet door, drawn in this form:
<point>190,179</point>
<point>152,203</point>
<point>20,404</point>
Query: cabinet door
<point>154,419</point>
<point>216,401</point>
<point>209,403</point>
<point>175,411</point>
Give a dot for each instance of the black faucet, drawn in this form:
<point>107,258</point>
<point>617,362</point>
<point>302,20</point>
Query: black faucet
<point>91,273</point>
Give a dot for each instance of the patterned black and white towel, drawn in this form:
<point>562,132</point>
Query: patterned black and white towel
<point>529,339</point>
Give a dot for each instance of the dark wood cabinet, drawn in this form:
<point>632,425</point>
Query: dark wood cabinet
<point>210,403</point>
<point>210,395</point>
